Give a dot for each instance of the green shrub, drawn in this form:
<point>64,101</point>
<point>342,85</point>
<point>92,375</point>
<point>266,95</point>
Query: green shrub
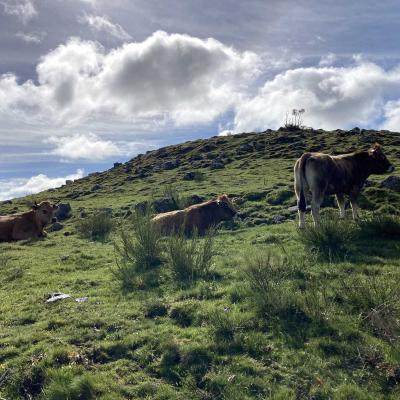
<point>382,226</point>
<point>377,300</point>
<point>267,276</point>
<point>171,192</point>
<point>330,240</point>
<point>191,258</point>
<point>138,252</point>
<point>96,227</point>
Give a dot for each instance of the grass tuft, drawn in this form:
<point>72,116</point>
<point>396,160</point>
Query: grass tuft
<point>95,227</point>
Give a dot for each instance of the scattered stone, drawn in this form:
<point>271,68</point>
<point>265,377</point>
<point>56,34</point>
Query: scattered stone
<point>194,199</point>
<point>391,182</point>
<point>354,131</point>
<point>117,164</point>
<point>142,206</point>
<point>68,181</point>
<point>211,156</point>
<point>164,205</point>
<point>56,227</point>
<point>73,195</point>
<point>168,165</point>
<point>208,147</point>
<point>96,187</point>
<point>63,211</point>
<point>217,164</point>
<point>196,157</point>
<point>245,147</point>
<point>81,299</point>
<point>108,211</point>
<point>189,176</point>
<point>53,297</point>
<point>278,219</point>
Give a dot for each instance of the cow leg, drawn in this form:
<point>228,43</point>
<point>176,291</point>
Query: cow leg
<point>354,209</point>
<point>317,198</point>
<point>302,222</point>
<point>341,204</point>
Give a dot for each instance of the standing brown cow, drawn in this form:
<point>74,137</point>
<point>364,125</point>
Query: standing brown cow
<point>341,175</point>
<point>198,217</point>
<point>27,225</point>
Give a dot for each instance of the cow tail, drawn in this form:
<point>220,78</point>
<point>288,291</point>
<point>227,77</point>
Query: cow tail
<point>302,205</point>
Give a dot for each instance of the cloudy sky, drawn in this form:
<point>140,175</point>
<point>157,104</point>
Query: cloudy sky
<point>84,83</point>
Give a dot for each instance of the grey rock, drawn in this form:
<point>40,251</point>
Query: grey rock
<point>168,165</point>
<point>53,297</point>
<point>217,164</point>
<point>63,211</point>
<point>117,164</point>
<point>96,187</point>
<point>56,227</point>
<point>391,182</point>
<point>164,205</point>
<point>73,195</point>
<point>189,176</point>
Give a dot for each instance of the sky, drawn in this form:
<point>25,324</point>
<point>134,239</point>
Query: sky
<point>85,83</point>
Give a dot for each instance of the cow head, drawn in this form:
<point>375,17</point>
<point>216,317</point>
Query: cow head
<point>380,164</point>
<point>45,212</point>
<point>226,208</point>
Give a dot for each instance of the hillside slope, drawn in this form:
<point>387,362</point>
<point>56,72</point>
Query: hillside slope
<point>209,339</point>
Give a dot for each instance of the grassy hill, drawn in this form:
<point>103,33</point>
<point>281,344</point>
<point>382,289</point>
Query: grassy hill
<point>280,315</point>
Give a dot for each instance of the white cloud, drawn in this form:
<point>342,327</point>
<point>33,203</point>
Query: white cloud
<point>84,147</point>
<point>332,96</point>
<point>32,37</point>
<point>328,60</point>
<point>19,187</point>
<point>169,77</point>
<point>22,9</point>
<point>99,23</point>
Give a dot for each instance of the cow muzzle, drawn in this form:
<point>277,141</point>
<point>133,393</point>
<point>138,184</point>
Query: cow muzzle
<point>390,169</point>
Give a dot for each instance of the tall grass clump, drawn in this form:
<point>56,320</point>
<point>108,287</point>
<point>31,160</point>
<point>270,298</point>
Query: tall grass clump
<point>96,227</point>
<point>138,250</point>
<point>377,300</point>
<point>190,258</point>
<point>172,193</point>
<point>384,226</point>
<point>268,278</point>
<point>330,240</point>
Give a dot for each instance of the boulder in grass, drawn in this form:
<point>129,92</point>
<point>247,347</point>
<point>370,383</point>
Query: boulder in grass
<point>63,212</point>
<point>391,182</point>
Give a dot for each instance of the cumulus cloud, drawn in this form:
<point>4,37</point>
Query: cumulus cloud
<point>332,97</point>
<point>84,147</point>
<point>328,60</point>
<point>99,23</point>
<point>19,187</point>
<point>32,37</point>
<point>22,9</point>
<point>174,77</point>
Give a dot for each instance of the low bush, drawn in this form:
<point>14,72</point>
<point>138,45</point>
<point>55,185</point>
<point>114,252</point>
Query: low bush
<point>95,227</point>
<point>330,240</point>
<point>377,300</point>
<point>267,276</point>
<point>138,252</point>
<point>190,259</point>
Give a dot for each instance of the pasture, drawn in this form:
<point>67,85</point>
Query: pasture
<point>278,315</point>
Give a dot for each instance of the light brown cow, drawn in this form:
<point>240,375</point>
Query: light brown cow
<point>27,225</point>
<point>198,217</point>
<point>321,174</point>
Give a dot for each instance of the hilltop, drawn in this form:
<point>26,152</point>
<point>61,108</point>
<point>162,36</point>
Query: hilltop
<point>322,333</point>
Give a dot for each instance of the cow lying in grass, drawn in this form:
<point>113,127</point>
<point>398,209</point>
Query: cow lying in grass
<point>27,225</point>
<point>198,217</point>
<point>321,174</point>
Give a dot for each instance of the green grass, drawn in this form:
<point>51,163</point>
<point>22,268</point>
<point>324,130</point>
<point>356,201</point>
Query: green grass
<point>275,319</point>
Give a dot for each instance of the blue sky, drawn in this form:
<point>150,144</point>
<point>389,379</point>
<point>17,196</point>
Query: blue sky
<point>84,83</point>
